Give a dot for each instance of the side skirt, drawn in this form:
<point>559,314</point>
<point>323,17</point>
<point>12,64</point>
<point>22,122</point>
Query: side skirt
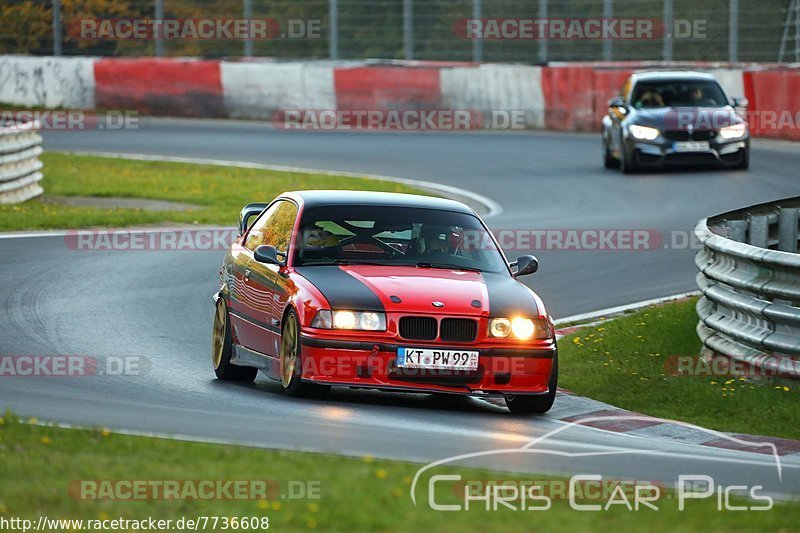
<point>246,357</point>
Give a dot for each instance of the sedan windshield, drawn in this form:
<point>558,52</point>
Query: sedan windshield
<point>678,93</point>
<point>396,236</point>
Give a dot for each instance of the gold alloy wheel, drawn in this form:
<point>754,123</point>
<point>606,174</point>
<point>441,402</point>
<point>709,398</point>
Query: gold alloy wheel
<point>218,340</point>
<point>288,350</point>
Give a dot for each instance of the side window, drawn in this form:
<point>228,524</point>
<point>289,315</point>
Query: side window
<point>273,227</point>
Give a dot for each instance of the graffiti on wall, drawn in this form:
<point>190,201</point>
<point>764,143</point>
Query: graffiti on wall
<point>47,82</point>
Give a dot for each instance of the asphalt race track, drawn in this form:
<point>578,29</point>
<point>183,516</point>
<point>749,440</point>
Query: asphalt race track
<point>157,305</point>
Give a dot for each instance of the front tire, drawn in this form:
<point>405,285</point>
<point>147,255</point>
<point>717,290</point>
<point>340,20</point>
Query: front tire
<point>627,160</point>
<point>539,404</point>
<point>745,162</point>
<point>608,160</point>
<point>222,349</point>
<point>291,364</point>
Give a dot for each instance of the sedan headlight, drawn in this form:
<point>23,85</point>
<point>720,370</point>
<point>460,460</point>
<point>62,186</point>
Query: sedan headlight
<point>733,132</point>
<point>520,328</point>
<point>354,320</point>
<point>643,133</point>
<point>499,327</point>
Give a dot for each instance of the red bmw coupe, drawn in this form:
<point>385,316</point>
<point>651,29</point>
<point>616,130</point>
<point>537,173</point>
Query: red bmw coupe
<point>384,291</point>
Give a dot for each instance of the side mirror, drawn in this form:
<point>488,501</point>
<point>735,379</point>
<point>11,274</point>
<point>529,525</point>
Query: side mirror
<point>740,101</point>
<point>526,264</point>
<point>617,101</point>
<point>248,211</point>
<point>267,254</point>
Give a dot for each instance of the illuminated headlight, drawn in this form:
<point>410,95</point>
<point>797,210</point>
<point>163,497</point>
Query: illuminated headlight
<point>643,133</point>
<point>520,328</point>
<point>357,320</point>
<point>733,132</point>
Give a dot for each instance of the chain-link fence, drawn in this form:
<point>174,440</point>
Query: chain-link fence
<point>529,31</point>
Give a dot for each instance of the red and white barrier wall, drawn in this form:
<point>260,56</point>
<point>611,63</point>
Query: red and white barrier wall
<point>568,97</point>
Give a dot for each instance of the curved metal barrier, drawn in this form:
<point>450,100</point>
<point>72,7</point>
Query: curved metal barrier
<point>750,284</point>
<point>20,168</point>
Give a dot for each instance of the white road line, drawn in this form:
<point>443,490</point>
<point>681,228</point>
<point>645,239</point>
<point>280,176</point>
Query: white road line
<point>491,208</point>
<point>606,313</point>
<point>737,457</point>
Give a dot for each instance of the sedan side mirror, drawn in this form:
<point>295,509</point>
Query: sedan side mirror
<point>267,254</point>
<point>740,101</point>
<point>617,101</point>
<point>526,264</point>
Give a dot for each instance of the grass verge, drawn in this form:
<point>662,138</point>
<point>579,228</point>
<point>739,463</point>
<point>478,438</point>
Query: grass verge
<point>40,464</point>
<point>627,362</point>
<point>220,191</point>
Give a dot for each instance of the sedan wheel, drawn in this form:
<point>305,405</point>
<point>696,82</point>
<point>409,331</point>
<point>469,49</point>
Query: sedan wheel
<point>222,349</point>
<point>626,160</point>
<point>291,362</point>
<point>535,404</point>
<point>288,351</point>
<point>609,161</point>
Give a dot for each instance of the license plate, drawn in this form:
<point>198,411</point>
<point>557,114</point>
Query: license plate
<point>691,146</point>
<point>437,359</point>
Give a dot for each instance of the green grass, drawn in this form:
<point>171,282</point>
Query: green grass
<point>355,494</point>
<point>625,362</point>
<point>220,191</point>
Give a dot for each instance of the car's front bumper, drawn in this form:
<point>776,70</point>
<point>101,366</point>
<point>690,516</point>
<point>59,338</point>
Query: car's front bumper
<point>662,152</point>
<point>501,370</point>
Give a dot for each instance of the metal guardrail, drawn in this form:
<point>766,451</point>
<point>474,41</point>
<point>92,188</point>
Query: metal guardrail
<point>750,284</point>
<point>20,168</point>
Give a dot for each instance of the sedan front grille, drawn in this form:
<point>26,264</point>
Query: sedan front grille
<point>421,328</point>
<point>426,328</point>
<point>458,330</point>
<point>697,135</point>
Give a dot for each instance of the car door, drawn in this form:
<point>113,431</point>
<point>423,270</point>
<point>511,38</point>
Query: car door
<point>261,281</point>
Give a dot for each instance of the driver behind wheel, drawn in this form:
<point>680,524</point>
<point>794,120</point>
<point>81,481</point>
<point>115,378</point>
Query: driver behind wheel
<point>438,241</point>
<point>316,237</point>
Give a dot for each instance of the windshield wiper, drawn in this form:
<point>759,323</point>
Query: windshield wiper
<point>449,266</point>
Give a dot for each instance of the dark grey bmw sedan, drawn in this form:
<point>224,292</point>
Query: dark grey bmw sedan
<point>674,118</point>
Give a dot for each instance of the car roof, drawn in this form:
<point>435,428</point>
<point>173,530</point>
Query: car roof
<point>663,75</point>
<point>325,198</point>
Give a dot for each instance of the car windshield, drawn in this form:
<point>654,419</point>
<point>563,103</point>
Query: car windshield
<point>678,93</point>
<point>397,236</point>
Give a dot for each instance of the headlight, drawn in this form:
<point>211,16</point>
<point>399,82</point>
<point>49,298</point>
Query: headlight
<point>355,320</point>
<point>643,132</point>
<point>499,327</point>
<point>344,320</point>
<point>521,328</point>
<point>733,132</point>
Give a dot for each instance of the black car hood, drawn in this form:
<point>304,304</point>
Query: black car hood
<point>679,118</point>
